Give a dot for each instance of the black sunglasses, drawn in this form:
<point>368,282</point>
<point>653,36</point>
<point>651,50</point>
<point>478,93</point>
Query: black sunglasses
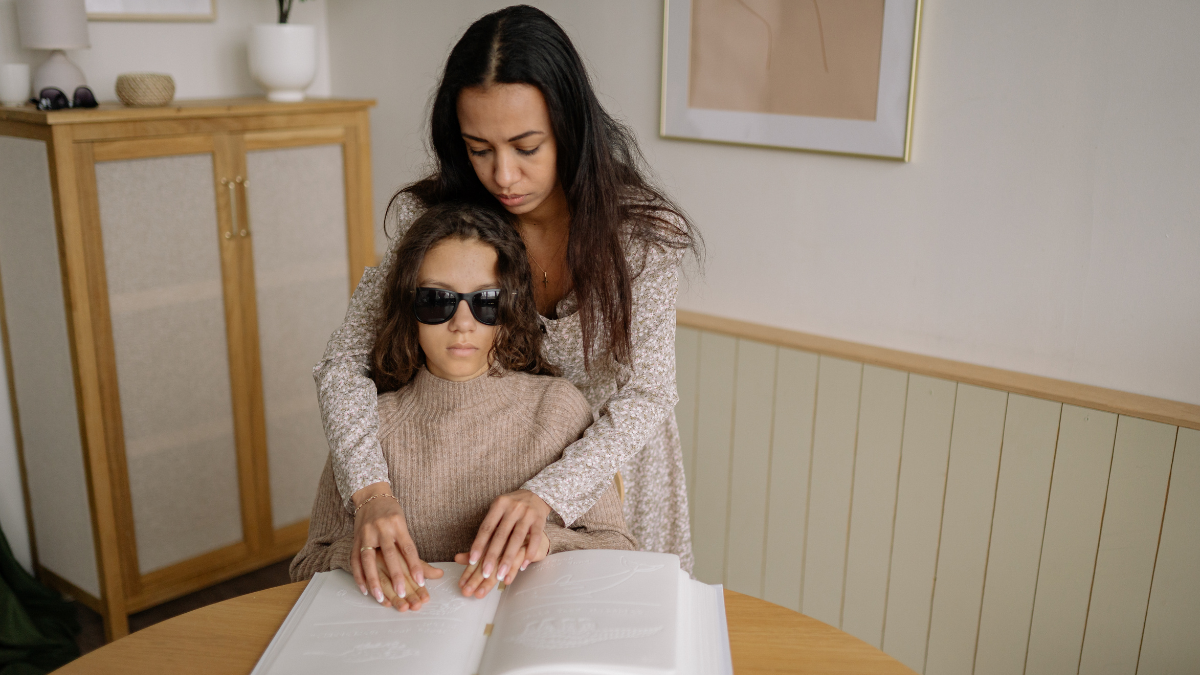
<point>438,305</point>
<point>53,98</point>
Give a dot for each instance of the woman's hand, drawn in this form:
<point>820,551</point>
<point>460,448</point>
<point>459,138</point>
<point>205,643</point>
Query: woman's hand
<point>513,525</point>
<point>380,530</point>
<point>415,596</point>
<point>472,581</point>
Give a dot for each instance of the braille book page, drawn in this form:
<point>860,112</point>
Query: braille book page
<point>588,612</point>
<point>334,628</point>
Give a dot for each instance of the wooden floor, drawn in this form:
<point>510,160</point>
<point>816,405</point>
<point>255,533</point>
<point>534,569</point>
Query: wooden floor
<point>92,634</point>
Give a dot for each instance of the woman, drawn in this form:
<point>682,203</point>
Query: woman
<point>516,125</point>
<point>459,356</point>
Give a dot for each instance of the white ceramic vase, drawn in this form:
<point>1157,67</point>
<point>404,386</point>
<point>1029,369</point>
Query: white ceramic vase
<point>283,59</point>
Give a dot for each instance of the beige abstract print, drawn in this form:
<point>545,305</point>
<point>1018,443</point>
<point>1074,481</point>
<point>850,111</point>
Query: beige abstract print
<point>789,57</point>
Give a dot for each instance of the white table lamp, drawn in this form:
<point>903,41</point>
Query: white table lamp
<point>55,25</point>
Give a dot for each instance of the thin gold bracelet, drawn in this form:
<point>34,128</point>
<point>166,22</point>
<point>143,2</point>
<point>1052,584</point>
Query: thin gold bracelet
<point>374,496</point>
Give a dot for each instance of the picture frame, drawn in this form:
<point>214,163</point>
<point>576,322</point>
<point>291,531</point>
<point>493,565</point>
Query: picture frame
<point>823,93</point>
<point>151,10</point>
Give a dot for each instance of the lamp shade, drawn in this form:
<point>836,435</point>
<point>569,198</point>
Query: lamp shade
<point>52,24</point>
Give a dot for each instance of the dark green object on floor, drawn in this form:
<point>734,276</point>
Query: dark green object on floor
<point>37,626</point>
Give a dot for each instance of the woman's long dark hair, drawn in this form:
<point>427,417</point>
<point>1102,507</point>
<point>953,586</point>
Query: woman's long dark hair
<point>397,354</point>
<point>611,202</point>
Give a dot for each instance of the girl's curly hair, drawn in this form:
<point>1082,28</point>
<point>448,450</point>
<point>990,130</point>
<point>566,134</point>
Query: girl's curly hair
<point>396,355</point>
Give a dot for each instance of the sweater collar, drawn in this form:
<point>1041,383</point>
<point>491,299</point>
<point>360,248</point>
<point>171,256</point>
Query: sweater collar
<point>432,392</point>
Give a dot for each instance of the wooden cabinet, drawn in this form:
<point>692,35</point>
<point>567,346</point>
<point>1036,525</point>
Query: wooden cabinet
<point>170,276</point>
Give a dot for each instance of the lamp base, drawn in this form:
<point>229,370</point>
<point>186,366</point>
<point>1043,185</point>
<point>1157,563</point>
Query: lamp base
<point>58,71</point>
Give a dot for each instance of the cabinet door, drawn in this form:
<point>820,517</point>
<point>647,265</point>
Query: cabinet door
<point>296,200</point>
<point>166,286</point>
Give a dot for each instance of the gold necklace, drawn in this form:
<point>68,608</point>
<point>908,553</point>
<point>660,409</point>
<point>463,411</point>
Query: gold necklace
<point>546,277</point>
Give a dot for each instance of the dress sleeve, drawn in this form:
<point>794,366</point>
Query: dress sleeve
<point>348,397</point>
<point>644,397</point>
<point>563,416</point>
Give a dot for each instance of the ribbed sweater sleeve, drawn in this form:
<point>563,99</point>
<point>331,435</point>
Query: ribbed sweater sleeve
<point>603,526</point>
<point>330,533</point>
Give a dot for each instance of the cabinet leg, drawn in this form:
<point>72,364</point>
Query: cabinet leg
<point>116,622</point>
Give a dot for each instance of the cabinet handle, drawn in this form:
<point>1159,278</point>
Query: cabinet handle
<point>232,206</point>
<point>245,182</point>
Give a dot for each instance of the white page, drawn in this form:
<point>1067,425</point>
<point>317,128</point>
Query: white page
<point>334,628</point>
<point>592,611</point>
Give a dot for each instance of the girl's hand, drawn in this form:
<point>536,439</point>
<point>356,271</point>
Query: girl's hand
<point>514,524</point>
<point>414,596</point>
<point>380,529</point>
<point>472,581</point>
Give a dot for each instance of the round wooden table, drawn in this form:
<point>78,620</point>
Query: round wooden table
<point>230,636</point>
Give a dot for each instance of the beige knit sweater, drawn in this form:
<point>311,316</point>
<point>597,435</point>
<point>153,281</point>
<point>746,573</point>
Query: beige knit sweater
<point>451,449</point>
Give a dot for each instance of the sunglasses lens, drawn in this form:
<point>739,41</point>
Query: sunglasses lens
<point>486,306</point>
<point>52,98</point>
<point>84,98</point>
<point>434,305</point>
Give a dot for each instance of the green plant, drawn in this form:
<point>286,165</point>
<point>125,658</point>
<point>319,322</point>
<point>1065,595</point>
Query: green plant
<point>285,8</point>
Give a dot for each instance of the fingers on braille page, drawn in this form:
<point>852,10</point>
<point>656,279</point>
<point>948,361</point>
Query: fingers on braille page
<point>471,569</point>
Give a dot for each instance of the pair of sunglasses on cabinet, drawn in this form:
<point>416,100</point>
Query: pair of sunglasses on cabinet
<point>53,98</point>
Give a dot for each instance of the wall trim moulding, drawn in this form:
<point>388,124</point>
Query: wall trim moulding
<point>1176,413</point>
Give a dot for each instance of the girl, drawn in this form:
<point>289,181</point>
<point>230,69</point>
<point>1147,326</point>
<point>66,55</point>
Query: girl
<point>516,125</point>
<point>470,410</point>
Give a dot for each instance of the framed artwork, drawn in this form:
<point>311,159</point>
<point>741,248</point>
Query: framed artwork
<point>833,76</point>
<point>151,10</point>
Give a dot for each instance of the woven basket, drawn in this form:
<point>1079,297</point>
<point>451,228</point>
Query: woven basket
<point>145,90</point>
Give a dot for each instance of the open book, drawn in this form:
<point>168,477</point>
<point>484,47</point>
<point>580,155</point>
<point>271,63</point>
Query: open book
<point>602,612</point>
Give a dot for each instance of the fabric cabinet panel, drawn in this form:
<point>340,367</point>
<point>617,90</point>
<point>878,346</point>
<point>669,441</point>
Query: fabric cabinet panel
<point>163,266</point>
<point>297,213</point>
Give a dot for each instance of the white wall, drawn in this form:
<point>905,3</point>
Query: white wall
<point>207,60</point>
<point>1048,222</point>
